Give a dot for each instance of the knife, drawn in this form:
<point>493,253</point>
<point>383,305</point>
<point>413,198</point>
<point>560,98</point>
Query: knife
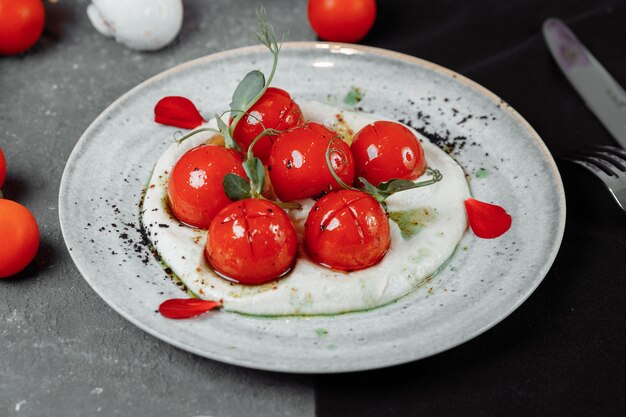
<point>602,94</point>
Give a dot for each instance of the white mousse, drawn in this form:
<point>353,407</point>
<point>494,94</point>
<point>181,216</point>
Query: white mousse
<point>436,213</point>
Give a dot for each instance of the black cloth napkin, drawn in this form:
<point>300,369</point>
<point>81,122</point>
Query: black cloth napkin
<point>563,352</point>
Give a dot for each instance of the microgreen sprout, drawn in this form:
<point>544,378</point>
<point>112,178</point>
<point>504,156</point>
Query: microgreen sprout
<point>254,84</point>
<point>385,189</point>
<point>222,130</point>
<point>237,188</point>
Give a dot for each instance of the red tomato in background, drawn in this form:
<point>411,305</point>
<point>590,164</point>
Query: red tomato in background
<point>385,150</point>
<point>21,24</point>
<point>3,168</point>
<point>347,230</point>
<point>342,20</point>
<point>19,237</point>
<point>252,241</point>
<point>195,188</point>
<point>275,110</point>
<point>298,167</point>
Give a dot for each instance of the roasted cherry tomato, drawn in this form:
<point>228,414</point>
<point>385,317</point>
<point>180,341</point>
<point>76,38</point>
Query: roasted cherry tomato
<point>195,188</point>
<point>252,242</point>
<point>342,20</point>
<point>384,150</point>
<point>274,110</point>
<point>298,167</point>
<point>19,237</point>
<point>21,24</point>
<point>347,230</point>
<point>3,168</point>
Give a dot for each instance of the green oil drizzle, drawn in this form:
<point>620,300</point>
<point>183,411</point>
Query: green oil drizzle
<point>354,96</point>
<point>482,173</point>
<point>321,332</point>
<point>411,222</point>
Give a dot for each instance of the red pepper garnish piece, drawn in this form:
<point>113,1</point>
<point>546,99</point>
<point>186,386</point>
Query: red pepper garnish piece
<point>182,308</point>
<point>488,221</point>
<point>177,111</point>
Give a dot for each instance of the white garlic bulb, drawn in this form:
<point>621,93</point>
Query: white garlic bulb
<point>145,25</point>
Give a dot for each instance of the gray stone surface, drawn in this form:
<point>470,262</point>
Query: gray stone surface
<point>63,351</point>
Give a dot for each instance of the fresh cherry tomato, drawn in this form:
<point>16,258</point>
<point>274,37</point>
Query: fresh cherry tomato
<point>3,168</point>
<point>384,150</point>
<point>19,237</point>
<point>21,24</point>
<point>298,167</point>
<point>252,242</point>
<point>342,20</point>
<point>347,230</point>
<point>195,188</point>
<point>274,110</point>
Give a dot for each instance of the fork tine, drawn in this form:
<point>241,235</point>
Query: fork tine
<point>598,172</point>
<point>614,150</point>
<point>596,162</point>
<point>615,184</point>
<point>614,160</point>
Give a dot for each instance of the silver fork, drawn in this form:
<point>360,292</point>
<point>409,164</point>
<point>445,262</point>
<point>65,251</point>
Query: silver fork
<point>609,164</point>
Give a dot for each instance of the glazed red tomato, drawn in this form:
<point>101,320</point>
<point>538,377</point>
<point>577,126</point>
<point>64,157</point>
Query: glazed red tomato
<point>3,168</point>
<point>276,110</point>
<point>342,20</point>
<point>385,150</point>
<point>347,230</point>
<point>195,188</point>
<point>19,237</point>
<point>298,167</point>
<point>21,24</point>
<point>252,242</point>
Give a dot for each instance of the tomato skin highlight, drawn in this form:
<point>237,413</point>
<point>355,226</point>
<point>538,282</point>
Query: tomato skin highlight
<point>274,110</point>
<point>252,241</point>
<point>195,188</point>
<point>19,237</point>
<point>297,163</point>
<point>21,25</point>
<point>347,230</point>
<point>342,20</point>
<point>3,168</point>
<point>385,150</point>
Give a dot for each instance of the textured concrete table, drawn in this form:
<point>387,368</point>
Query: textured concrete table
<point>64,352</point>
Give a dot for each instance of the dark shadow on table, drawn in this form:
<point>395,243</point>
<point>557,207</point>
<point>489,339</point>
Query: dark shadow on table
<point>46,256</point>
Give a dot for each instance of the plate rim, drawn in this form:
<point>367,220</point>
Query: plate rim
<point>344,48</point>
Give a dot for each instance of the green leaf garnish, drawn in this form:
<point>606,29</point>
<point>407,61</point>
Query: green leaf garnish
<point>244,101</point>
<point>235,187</point>
<point>388,188</point>
<point>256,173</point>
<point>247,90</point>
<point>225,131</point>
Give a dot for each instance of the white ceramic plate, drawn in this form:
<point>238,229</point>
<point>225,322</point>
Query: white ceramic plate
<point>485,281</point>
